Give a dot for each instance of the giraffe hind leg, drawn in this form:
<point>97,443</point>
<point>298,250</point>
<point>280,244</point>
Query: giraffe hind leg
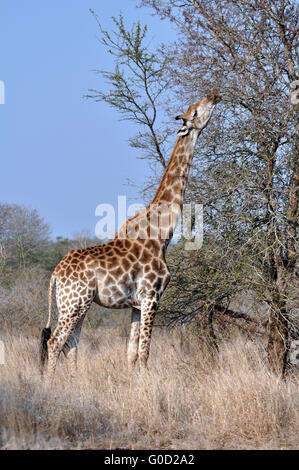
<point>70,348</point>
<point>64,335</point>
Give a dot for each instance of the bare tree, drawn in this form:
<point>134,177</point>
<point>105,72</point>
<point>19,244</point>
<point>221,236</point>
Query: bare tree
<point>23,236</point>
<point>248,173</point>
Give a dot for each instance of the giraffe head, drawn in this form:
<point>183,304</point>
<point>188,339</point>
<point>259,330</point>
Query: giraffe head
<point>198,115</point>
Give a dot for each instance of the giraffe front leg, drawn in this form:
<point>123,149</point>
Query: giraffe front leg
<point>148,311</point>
<point>134,339</point>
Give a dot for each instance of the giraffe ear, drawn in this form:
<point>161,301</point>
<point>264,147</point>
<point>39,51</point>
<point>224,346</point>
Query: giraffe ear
<point>183,131</point>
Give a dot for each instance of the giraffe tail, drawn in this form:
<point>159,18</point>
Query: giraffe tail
<point>46,332</point>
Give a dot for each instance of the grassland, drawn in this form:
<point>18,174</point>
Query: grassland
<point>188,399</point>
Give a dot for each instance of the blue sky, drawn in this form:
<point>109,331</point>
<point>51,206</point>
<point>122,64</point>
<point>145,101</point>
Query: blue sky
<point>60,153</point>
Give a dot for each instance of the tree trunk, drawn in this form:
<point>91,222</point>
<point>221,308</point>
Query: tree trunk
<point>278,343</point>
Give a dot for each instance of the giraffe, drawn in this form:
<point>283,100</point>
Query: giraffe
<point>130,270</point>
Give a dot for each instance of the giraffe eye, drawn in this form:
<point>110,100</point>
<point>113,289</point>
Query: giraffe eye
<point>195,115</point>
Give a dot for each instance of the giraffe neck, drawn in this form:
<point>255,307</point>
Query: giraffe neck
<point>159,219</point>
<point>173,184</point>
<point>170,194</point>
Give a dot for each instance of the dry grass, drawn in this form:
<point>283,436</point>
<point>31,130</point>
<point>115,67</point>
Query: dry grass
<point>188,399</point>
